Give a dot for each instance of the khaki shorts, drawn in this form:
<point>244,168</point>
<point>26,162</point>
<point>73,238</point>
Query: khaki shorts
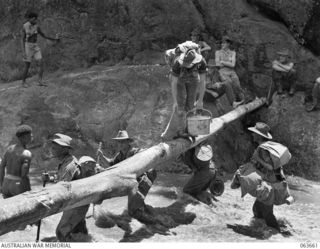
<point>32,51</point>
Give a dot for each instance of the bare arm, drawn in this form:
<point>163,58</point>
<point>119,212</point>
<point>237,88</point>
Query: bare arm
<point>231,63</point>
<point>105,160</point>
<point>46,37</point>
<point>2,169</point>
<point>202,88</point>
<point>276,65</point>
<point>174,90</point>
<point>26,163</point>
<point>217,58</point>
<point>205,46</point>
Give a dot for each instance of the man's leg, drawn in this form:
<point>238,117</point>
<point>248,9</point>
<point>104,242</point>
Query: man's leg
<point>315,97</point>
<point>25,73</point>
<point>277,81</point>
<point>227,88</point>
<point>40,72</point>
<point>192,85</point>
<point>136,197</point>
<point>238,91</point>
<point>291,81</point>
<point>260,210</point>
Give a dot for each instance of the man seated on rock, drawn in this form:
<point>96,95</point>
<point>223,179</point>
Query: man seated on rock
<point>263,176</point>
<point>16,161</point>
<point>225,59</point>
<point>136,205</point>
<point>73,220</point>
<point>315,96</point>
<point>216,88</point>
<point>199,159</point>
<point>188,76</point>
<point>283,75</point>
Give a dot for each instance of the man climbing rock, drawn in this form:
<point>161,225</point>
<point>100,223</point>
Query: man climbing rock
<point>225,59</point>
<point>188,78</point>
<point>30,47</point>
<point>16,161</point>
<point>263,176</point>
<point>283,75</point>
<point>315,96</point>
<point>199,159</point>
<point>73,220</point>
<point>136,205</point>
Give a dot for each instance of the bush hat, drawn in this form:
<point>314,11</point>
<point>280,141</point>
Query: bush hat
<point>62,140</point>
<point>122,135</point>
<point>261,129</point>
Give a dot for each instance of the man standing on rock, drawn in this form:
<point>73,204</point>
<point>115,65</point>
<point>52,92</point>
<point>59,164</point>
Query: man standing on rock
<point>30,47</point>
<point>72,221</point>
<point>188,78</point>
<point>283,76</point>
<point>16,161</point>
<point>136,205</point>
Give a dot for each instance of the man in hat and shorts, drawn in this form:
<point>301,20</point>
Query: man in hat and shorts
<point>73,220</point>
<point>199,159</point>
<point>225,59</point>
<point>16,161</point>
<point>263,177</point>
<point>283,75</point>
<point>136,205</point>
<point>30,48</point>
<point>188,78</point>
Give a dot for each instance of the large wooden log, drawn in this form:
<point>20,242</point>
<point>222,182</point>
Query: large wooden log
<point>31,206</point>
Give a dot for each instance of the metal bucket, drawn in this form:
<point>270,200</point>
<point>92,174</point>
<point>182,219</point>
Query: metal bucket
<point>199,124</point>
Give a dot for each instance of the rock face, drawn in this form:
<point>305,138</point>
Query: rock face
<point>92,105</point>
<point>137,32</point>
<point>299,130</point>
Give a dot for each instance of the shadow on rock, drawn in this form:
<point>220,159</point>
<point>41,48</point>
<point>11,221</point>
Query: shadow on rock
<point>159,221</point>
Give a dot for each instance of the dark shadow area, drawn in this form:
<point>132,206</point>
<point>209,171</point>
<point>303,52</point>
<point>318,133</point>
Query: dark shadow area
<point>259,230</point>
<point>159,220</point>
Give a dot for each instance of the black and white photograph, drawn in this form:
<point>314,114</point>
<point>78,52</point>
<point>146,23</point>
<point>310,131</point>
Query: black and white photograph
<point>159,121</point>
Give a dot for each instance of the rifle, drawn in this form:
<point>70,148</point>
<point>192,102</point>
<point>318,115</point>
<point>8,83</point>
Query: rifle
<point>45,180</point>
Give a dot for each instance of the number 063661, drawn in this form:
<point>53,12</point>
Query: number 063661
<point>308,245</point>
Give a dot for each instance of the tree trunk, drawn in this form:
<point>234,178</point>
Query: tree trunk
<point>32,206</point>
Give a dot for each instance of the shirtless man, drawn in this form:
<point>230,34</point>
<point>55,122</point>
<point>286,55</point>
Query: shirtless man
<point>16,161</point>
<point>30,47</point>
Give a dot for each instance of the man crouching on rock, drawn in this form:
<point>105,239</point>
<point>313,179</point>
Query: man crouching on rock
<point>136,206</point>
<point>72,221</point>
<point>199,159</point>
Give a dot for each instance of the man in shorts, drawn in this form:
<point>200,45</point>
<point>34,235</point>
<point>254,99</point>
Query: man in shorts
<point>31,49</point>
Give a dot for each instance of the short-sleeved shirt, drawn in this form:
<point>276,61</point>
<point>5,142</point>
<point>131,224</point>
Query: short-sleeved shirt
<point>178,70</point>
<point>68,169</point>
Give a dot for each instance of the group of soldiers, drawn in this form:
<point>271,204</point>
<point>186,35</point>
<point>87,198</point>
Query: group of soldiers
<point>263,177</point>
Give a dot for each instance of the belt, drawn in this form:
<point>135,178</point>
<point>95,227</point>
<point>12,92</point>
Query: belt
<point>12,177</point>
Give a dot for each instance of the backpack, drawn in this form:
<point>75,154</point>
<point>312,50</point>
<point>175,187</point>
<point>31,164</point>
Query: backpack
<point>279,153</point>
